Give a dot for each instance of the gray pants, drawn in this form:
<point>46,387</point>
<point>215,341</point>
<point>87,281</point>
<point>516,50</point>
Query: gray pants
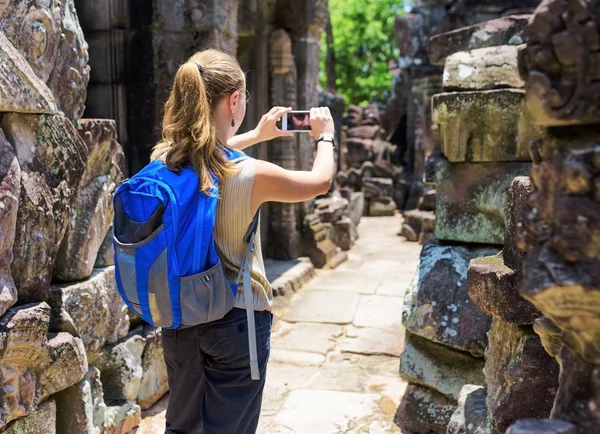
<point>209,375</point>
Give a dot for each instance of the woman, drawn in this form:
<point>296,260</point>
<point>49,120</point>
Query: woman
<point>211,388</point>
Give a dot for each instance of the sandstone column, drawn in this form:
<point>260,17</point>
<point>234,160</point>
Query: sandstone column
<point>284,236</point>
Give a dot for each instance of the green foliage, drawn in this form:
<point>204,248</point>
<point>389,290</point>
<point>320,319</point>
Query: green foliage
<point>364,43</point>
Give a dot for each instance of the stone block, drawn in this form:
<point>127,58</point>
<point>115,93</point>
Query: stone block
<point>518,193</point>
<point>75,408</point>
<point>427,201</point>
<point>154,383</point>
<point>96,308</point>
<point>356,207</point>
<point>121,369</point>
<point>20,89</point>
<point>92,210</point>
<point>550,335</point>
<point>377,187</point>
<point>494,288</point>
<point>122,419</point>
<point>358,151</point>
<point>561,64</point>
<point>501,31</point>
<point>368,132</point>
<point>424,411</point>
<point>35,364</point>
<point>10,185</point>
<point>106,251</point>
<point>578,397</point>
<point>471,416</point>
<point>332,208</point>
<point>561,231</point>
<point>52,157</point>
<point>437,306</point>
<point>382,207</point>
<point>49,37</point>
<point>345,233</point>
<point>417,222</point>
<point>484,126</point>
<point>483,68</point>
<point>542,426</point>
<point>472,199</point>
<point>439,367</point>
<point>521,377</point>
<point>42,421</point>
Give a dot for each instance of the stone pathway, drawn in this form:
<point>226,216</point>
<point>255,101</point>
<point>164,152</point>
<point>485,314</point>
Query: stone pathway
<point>336,344</point>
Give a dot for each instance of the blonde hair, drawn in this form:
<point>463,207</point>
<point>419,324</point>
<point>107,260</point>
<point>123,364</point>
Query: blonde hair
<point>188,127</point>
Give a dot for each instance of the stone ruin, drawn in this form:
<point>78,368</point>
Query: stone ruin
<point>502,318</point>
<point>73,359</point>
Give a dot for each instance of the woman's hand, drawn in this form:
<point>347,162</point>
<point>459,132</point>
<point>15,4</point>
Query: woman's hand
<point>321,122</point>
<point>267,127</point>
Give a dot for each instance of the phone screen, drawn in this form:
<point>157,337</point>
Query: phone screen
<point>297,121</point>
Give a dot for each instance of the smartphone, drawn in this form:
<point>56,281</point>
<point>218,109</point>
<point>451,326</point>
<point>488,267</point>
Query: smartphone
<point>296,121</point>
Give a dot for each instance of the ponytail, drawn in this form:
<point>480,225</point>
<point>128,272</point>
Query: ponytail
<point>188,128</point>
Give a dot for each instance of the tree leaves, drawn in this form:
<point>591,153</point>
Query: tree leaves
<point>364,43</point>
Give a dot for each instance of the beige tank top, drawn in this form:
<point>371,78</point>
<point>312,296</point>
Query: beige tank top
<point>234,215</point>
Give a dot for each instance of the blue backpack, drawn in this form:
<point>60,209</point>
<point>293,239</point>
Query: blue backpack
<point>166,265</point>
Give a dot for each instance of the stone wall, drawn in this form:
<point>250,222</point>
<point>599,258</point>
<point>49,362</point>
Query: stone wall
<point>70,360</point>
<point>74,359</point>
<point>510,99</point>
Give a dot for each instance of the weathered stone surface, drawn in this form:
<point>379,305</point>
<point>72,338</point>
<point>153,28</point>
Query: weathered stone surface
<point>48,35</point>
<point>494,288</point>
<point>542,426</point>
<point>471,416</point>
<point>96,308</point>
<point>484,126</point>
<point>439,367</point>
<point>382,207</point>
<point>10,178</point>
<point>578,397</point>
<point>472,199</point>
<point>550,335</point>
<point>501,31</point>
<point>52,158</point>
<point>483,68</point>
<point>92,211</point>
<point>437,306</point>
<point>106,251</point>
<point>371,132</point>
<point>154,370</point>
<point>356,207</point>
<point>560,63</point>
<point>121,369</point>
<point>121,419</point>
<point>75,408</point>
<point>424,411</point>
<point>97,394</point>
<point>519,191</point>
<point>345,233</point>
<point>417,222</point>
<point>33,367</point>
<point>375,187</point>
<point>42,421</point>
<point>521,377</point>
<point>68,364</point>
<point>20,89</point>
<point>561,231</point>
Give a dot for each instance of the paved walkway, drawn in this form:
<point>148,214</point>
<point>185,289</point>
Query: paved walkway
<point>335,344</point>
